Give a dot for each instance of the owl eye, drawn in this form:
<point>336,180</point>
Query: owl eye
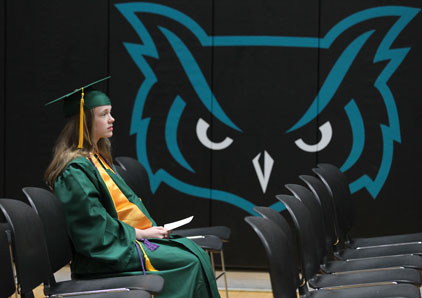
<point>201,131</point>
<point>326,134</point>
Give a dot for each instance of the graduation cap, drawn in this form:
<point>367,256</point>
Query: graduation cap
<point>80,100</point>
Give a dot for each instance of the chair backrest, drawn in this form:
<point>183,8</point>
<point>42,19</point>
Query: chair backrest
<point>7,284</point>
<point>284,274</point>
<point>277,218</point>
<point>307,235</point>
<point>136,177</point>
<point>51,213</point>
<point>283,224</point>
<point>345,210</point>
<point>29,247</point>
<point>324,198</point>
<point>307,198</point>
<point>336,172</point>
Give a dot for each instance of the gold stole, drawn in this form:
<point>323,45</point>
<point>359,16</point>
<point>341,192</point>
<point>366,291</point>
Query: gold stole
<point>127,212</point>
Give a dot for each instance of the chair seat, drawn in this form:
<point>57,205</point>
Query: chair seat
<point>153,283</point>
<point>403,261</point>
<point>221,232</point>
<point>391,291</point>
<point>368,277</point>
<point>352,253</point>
<point>116,294</point>
<point>209,243</point>
<point>385,240</point>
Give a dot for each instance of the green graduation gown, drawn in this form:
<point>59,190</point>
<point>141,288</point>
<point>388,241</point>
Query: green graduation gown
<point>105,246</point>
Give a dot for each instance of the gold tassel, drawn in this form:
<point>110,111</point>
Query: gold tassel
<point>148,264</point>
<point>81,121</point>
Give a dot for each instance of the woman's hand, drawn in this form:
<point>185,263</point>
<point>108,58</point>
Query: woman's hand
<point>153,232</point>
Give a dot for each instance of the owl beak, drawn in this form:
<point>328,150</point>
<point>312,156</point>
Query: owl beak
<point>264,172</point>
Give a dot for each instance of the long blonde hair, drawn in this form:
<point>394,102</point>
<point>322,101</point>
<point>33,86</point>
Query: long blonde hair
<point>66,148</point>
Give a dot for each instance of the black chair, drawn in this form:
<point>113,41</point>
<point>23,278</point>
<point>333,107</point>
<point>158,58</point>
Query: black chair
<point>136,177</point>
<point>7,284</point>
<point>284,274</point>
<point>322,196</point>
<point>33,265</point>
<point>213,245</point>
<point>344,209</point>
<point>326,248</point>
<point>337,185</point>
<point>345,216</point>
<point>51,213</point>
<point>284,224</point>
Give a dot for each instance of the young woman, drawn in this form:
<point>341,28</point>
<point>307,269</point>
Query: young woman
<point>111,231</point>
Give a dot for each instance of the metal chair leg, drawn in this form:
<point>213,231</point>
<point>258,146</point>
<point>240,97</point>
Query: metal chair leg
<point>212,260</point>
<point>223,269</point>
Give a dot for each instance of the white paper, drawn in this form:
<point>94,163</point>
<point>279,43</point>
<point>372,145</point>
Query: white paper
<point>179,223</point>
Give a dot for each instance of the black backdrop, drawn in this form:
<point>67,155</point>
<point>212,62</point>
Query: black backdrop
<point>49,48</point>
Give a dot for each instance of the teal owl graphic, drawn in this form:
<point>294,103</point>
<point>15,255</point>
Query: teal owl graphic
<point>246,118</point>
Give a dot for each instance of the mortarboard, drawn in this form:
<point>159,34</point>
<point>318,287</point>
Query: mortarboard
<point>83,98</point>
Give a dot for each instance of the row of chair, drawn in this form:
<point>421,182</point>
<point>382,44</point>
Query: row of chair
<point>34,239</point>
<point>315,252</point>
<point>53,247</point>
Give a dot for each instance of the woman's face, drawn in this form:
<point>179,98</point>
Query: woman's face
<point>103,123</point>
